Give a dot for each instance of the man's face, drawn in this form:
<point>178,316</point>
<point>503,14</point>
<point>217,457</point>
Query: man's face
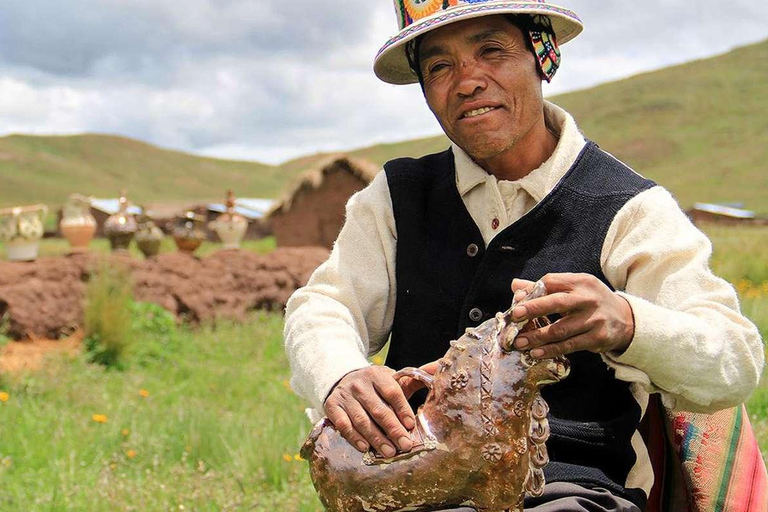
<point>482,84</point>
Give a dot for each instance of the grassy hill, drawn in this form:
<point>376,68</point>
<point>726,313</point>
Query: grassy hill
<point>700,129</point>
<point>48,168</point>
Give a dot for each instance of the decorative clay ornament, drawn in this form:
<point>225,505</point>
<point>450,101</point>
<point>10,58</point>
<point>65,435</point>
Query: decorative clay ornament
<point>189,232</point>
<point>230,226</point>
<point>121,226</point>
<point>479,439</point>
<point>21,229</point>
<point>77,224</point>
<point>149,237</point>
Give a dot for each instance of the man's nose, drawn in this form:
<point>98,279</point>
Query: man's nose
<point>470,79</point>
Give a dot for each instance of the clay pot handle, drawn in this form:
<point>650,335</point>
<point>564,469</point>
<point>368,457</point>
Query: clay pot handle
<point>417,374</point>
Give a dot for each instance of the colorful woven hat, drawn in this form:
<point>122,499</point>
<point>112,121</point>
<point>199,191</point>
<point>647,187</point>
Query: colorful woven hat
<point>417,17</point>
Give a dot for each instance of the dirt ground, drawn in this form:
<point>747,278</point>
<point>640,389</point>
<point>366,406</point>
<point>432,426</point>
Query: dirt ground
<point>44,299</point>
<point>29,355</point>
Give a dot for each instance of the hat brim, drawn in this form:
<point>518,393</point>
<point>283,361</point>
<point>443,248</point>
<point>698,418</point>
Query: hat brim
<point>391,64</point>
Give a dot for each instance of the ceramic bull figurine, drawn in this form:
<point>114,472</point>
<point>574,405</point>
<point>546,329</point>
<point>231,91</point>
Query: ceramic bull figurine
<point>478,441</point>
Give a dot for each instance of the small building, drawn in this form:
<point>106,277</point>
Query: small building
<point>312,211</point>
<point>732,214</point>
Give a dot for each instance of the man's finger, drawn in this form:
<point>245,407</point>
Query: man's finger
<point>574,344</point>
<point>393,395</point>
<point>365,425</point>
<point>555,303</point>
<point>385,417</point>
<point>566,327</point>
<point>522,284</point>
<point>338,416</point>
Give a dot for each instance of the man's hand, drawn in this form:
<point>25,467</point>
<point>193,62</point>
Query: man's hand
<point>593,317</point>
<point>368,407</point>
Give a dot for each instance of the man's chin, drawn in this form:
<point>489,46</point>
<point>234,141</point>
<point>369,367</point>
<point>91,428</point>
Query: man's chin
<point>487,151</point>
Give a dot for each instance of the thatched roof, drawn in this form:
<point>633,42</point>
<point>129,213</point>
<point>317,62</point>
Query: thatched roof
<point>314,178</point>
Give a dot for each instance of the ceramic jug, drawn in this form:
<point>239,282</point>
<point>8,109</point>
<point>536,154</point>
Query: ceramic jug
<point>120,227</point>
<point>21,229</point>
<point>230,226</point>
<point>77,224</point>
<point>189,232</point>
<point>149,236</point>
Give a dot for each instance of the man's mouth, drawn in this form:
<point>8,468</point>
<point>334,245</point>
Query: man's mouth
<point>477,112</point>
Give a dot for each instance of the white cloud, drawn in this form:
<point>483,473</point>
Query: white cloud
<point>271,80</point>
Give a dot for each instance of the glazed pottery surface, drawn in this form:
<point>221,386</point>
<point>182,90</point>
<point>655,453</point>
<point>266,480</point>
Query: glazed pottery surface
<point>479,439</point>
<point>77,224</point>
<point>21,229</point>
<point>189,232</point>
<point>230,226</point>
<point>149,237</point>
<point>120,227</point>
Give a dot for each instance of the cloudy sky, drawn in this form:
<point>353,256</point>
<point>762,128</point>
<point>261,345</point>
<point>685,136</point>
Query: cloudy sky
<point>269,80</point>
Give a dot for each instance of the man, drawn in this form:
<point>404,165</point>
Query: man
<point>439,244</point>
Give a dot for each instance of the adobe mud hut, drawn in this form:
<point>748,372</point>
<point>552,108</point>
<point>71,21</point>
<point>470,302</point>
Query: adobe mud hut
<point>312,212</point>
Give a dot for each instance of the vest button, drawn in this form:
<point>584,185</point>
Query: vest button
<point>475,314</point>
<point>472,250</point>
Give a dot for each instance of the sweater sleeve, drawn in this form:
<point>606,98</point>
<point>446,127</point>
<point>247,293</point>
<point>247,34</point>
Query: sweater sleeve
<point>691,342</point>
<point>345,311</point>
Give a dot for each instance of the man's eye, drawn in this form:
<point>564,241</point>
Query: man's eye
<point>434,68</point>
<point>490,50</point>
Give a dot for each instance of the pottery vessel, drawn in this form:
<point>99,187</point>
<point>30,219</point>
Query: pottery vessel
<point>479,439</point>
<point>230,226</point>
<point>120,227</point>
<point>21,229</point>
<point>189,232</point>
<point>148,236</point>
<point>77,224</point>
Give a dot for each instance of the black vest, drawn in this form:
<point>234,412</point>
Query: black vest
<point>447,280</point>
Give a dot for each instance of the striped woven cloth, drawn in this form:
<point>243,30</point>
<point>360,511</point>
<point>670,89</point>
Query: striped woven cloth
<point>722,468</point>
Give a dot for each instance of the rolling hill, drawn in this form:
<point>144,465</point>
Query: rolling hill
<point>700,129</point>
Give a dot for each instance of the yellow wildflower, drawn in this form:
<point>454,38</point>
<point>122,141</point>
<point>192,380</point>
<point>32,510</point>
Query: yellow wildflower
<point>188,448</point>
<point>297,457</point>
<point>99,418</point>
<point>4,396</point>
<point>144,393</point>
<point>125,432</point>
<point>287,458</point>
<point>130,454</point>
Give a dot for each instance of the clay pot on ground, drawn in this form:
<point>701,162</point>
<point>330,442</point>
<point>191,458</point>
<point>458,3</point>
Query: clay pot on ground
<point>77,224</point>
<point>189,232</point>
<point>149,237</point>
<point>21,229</point>
<point>120,227</point>
<point>230,226</point>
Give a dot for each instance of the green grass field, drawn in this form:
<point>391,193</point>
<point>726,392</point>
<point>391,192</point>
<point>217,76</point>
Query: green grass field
<point>208,421</point>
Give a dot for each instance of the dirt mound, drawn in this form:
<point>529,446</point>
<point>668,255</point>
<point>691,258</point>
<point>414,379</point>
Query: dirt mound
<point>44,299</point>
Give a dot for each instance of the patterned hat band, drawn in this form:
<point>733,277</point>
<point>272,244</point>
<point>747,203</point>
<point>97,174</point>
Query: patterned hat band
<point>552,25</point>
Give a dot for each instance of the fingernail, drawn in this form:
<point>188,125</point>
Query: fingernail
<point>361,446</point>
<point>519,312</point>
<point>409,423</point>
<point>387,450</point>
<point>521,342</point>
<point>404,443</point>
<point>537,352</point>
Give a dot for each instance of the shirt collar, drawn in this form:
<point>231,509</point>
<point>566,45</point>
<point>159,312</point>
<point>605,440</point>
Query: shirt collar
<point>539,182</point>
